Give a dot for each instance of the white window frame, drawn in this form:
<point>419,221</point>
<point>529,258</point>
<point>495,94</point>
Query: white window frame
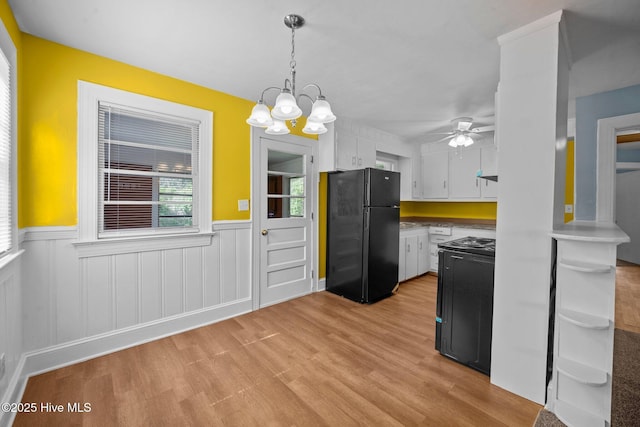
<point>9,51</point>
<point>89,244</point>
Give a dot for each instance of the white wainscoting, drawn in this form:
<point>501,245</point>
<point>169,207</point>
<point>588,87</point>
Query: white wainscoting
<point>10,331</point>
<point>77,308</point>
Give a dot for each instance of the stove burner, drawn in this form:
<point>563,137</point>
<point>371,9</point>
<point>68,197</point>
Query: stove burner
<point>481,245</point>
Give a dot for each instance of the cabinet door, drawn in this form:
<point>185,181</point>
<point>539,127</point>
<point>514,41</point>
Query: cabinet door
<point>411,260</point>
<point>435,171</point>
<point>346,150</point>
<point>416,176</point>
<point>402,275</point>
<point>463,167</point>
<point>423,253</point>
<point>366,155</point>
<point>489,165</point>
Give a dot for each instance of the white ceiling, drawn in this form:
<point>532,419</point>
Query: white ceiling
<point>407,67</point>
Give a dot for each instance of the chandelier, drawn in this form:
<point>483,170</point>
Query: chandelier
<point>286,106</point>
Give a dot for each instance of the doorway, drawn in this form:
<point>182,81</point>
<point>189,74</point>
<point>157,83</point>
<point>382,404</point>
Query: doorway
<point>284,227</point>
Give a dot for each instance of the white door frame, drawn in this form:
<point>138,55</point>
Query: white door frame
<point>256,134</point>
<point>606,163</point>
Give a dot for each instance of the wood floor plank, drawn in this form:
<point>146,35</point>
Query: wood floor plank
<point>317,360</point>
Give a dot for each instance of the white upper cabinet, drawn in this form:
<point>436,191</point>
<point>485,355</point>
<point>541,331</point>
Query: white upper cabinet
<point>463,167</point>
<point>435,175</point>
<point>354,152</point>
<point>454,174</point>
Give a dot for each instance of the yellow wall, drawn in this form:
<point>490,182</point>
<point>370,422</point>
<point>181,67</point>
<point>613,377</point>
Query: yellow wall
<point>474,210</point>
<point>6,14</point>
<point>47,180</point>
<point>568,194</point>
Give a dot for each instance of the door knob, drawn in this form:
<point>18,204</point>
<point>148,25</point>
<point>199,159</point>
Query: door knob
<point>264,232</point>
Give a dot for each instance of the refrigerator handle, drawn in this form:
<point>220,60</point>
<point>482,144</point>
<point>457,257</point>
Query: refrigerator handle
<point>366,219</point>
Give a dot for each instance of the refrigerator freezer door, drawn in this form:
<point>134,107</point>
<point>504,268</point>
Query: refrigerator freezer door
<point>383,188</point>
<point>382,228</point>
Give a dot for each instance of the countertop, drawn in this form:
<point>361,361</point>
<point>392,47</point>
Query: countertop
<point>589,231</point>
<point>418,221</point>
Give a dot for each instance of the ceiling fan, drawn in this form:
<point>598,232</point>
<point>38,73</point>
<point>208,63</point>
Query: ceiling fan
<point>462,132</point>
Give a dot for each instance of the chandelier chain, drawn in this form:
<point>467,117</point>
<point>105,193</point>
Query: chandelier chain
<point>292,64</point>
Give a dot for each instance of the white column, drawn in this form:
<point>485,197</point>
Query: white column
<point>532,126</point>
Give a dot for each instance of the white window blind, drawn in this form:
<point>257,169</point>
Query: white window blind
<point>6,198</point>
<point>147,171</point>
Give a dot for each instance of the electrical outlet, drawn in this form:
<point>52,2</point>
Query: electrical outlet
<point>568,208</point>
<point>2,365</point>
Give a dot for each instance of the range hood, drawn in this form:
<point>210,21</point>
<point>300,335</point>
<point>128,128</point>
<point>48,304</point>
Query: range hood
<point>487,176</point>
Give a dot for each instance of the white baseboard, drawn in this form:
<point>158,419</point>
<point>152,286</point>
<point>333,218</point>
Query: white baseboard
<point>59,356</point>
<point>14,392</point>
<point>50,358</point>
<point>322,284</point>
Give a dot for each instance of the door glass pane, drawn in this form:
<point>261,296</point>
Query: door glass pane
<point>285,185</point>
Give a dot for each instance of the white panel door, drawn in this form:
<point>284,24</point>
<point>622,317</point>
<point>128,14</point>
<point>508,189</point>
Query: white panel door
<point>285,222</point>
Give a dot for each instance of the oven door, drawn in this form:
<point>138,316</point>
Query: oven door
<point>465,299</point>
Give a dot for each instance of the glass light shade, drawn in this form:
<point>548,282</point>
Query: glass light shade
<point>321,112</point>
<point>260,116</point>
<point>314,128</point>
<point>467,141</point>
<point>286,107</point>
<point>456,141</point>
<point>277,128</point>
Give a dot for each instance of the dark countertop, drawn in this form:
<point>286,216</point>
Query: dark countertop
<point>419,221</point>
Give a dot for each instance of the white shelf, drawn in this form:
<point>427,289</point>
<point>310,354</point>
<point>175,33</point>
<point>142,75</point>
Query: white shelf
<point>585,267</point>
<point>574,417</point>
<point>582,373</point>
<point>584,320</point>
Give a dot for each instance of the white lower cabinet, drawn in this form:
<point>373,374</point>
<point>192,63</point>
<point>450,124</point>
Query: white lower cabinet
<point>413,258</point>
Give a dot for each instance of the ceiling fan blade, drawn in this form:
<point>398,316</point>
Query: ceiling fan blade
<point>443,139</point>
<point>441,133</point>
<point>481,129</point>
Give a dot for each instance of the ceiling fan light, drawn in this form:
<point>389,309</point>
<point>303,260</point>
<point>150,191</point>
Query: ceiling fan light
<point>321,111</point>
<point>467,141</point>
<point>277,128</point>
<point>457,141</point>
<point>286,107</point>
<point>314,128</point>
<point>260,116</point>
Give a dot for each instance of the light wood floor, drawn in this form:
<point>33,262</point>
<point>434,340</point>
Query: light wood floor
<point>628,297</point>
<point>316,360</point>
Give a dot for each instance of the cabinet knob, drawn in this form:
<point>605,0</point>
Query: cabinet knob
<point>264,232</point>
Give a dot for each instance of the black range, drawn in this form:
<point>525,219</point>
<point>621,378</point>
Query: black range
<point>464,310</point>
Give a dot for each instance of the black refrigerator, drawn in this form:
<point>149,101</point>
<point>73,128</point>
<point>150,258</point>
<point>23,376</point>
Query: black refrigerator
<point>363,233</point>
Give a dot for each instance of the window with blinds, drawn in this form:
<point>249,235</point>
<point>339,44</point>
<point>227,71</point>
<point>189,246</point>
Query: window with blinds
<point>147,171</point>
<point>6,198</point>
